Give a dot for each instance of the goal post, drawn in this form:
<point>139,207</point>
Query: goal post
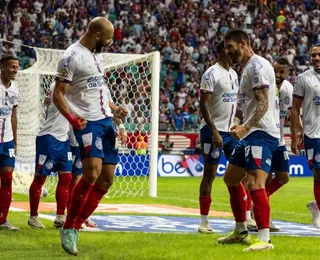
<point>131,78</point>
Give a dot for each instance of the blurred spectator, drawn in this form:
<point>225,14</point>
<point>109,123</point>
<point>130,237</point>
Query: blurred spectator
<point>166,145</point>
<point>140,146</point>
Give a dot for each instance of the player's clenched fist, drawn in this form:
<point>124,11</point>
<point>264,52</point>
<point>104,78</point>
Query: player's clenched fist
<point>77,122</point>
<point>238,131</point>
<point>121,112</point>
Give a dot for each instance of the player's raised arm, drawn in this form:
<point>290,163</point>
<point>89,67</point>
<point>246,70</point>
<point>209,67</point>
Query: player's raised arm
<point>295,126</point>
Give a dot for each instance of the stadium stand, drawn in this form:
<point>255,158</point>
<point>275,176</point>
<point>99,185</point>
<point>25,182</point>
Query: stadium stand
<point>184,31</point>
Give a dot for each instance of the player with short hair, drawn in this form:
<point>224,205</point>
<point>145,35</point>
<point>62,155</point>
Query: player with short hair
<point>280,160</point>
<point>219,90</point>
<point>53,154</point>
<point>259,135</point>
<point>9,93</point>
<point>80,80</point>
<point>306,95</point>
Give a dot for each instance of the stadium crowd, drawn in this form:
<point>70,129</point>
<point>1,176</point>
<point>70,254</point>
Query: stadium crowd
<point>184,31</point>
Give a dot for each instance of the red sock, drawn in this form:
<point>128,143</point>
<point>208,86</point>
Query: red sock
<point>238,202</point>
<point>35,191</point>
<point>95,195</point>
<point>5,195</point>
<point>205,202</point>
<point>71,187</point>
<point>273,187</point>
<point>248,200</point>
<point>261,208</point>
<point>62,192</point>
<point>316,192</point>
<point>78,199</point>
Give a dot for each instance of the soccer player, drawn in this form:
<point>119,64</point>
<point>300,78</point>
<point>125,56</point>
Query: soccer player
<point>8,134</point>
<point>80,79</point>
<point>53,154</point>
<point>259,135</point>
<point>77,161</point>
<point>219,90</point>
<point>306,94</point>
<point>280,159</point>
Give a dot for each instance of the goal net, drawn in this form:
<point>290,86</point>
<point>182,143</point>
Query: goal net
<point>133,81</point>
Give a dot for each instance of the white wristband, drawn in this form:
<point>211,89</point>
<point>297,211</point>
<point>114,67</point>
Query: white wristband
<point>121,126</point>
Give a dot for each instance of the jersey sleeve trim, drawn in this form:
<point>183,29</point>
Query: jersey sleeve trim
<point>63,80</point>
<point>260,87</point>
<point>297,96</point>
<point>205,91</point>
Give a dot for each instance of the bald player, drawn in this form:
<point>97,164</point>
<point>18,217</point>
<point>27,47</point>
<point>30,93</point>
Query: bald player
<point>81,97</point>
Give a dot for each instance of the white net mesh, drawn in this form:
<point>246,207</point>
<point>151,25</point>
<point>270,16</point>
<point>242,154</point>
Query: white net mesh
<point>129,79</point>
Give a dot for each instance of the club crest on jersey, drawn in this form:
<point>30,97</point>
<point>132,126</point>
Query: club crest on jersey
<point>215,154</point>
<point>317,157</point>
<point>49,165</point>
<point>256,80</point>
<point>98,143</point>
<point>286,100</point>
<point>78,164</point>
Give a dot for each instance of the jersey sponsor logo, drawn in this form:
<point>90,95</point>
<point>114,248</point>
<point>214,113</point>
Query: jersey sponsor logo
<point>66,60</point>
<point>243,98</point>
<point>98,143</point>
<point>316,100</point>
<point>286,100</point>
<point>95,82</point>
<point>11,99</point>
<point>256,66</point>
<point>230,97</point>
<point>256,80</point>
<point>283,114</point>
<point>49,165</point>
<point>5,111</point>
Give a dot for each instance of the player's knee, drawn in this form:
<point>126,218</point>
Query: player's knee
<point>283,178</point>
<point>106,183</point>
<point>255,185</point>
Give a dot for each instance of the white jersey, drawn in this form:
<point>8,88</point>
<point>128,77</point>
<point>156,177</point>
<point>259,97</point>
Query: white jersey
<point>84,71</point>
<point>307,87</point>
<point>223,85</point>
<point>285,100</point>
<point>55,123</point>
<point>259,73</point>
<point>8,100</point>
<point>72,137</point>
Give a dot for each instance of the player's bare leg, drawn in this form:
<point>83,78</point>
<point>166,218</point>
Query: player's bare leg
<point>101,187</point>
<point>272,185</point>
<point>233,177</point>
<point>35,191</point>
<point>251,223</point>
<point>261,207</point>
<point>314,206</point>
<point>5,197</point>
<point>208,177</point>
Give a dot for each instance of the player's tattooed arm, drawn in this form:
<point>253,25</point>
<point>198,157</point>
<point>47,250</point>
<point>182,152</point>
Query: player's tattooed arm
<point>261,95</point>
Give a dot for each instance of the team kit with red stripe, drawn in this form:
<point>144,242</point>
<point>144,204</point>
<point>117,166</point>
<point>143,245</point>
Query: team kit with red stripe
<point>223,85</point>
<point>83,70</point>
<point>256,149</point>
<point>8,100</point>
